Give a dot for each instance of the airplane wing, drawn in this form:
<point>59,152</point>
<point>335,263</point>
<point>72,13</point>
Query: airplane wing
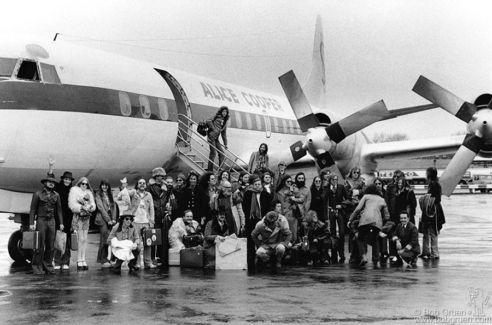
<point>408,110</point>
<point>411,148</point>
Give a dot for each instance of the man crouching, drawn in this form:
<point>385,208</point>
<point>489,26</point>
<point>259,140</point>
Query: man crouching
<point>275,236</point>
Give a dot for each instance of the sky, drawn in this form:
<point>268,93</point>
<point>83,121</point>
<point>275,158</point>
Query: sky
<point>373,49</point>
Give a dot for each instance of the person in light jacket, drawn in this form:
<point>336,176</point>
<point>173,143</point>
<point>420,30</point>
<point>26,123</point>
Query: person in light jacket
<point>374,213</point>
<point>142,207</point>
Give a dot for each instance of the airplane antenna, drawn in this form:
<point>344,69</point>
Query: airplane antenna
<point>56,35</point>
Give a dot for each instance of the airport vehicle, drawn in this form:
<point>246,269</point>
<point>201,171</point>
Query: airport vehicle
<point>480,176</point>
<point>104,115</point>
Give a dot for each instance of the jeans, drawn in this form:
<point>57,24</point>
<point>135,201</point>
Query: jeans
<point>367,232</point>
<point>43,257</point>
<point>266,253</point>
<point>102,253</point>
<point>213,153</point>
<point>146,249</point>
<point>429,242</point>
<point>337,218</point>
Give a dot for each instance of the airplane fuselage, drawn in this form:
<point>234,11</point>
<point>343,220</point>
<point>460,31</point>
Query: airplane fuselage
<point>104,115</point>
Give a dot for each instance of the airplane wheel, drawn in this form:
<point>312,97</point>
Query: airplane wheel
<point>16,252</point>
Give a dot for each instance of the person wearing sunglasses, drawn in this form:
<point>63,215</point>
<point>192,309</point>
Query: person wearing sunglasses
<point>178,191</point>
<point>317,198</point>
<point>124,240</point>
<point>355,185</point>
<point>81,202</point>
<point>142,207</point>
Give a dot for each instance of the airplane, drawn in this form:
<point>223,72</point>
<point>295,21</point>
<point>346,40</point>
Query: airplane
<point>106,115</point>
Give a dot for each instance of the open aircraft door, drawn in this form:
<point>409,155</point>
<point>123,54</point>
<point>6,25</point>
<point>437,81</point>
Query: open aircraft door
<point>182,105</point>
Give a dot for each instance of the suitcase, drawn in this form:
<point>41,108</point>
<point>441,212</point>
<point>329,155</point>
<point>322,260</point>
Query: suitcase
<point>152,237</point>
<point>74,242</point>
<point>174,257</point>
<point>192,257</point>
<point>30,240</point>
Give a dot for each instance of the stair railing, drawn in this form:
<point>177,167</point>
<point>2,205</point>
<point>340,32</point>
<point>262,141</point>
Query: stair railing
<point>186,127</point>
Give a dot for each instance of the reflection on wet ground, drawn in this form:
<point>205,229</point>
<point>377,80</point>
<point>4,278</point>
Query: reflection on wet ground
<point>340,293</point>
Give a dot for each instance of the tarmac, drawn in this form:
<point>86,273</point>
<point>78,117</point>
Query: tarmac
<point>454,289</point>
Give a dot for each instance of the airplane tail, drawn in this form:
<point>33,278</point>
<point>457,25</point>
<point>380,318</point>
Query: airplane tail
<point>315,86</point>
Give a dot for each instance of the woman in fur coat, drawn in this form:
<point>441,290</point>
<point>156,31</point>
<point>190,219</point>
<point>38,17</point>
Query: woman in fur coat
<point>81,202</point>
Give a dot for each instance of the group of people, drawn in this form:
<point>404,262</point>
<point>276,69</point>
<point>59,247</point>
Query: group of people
<point>280,216</point>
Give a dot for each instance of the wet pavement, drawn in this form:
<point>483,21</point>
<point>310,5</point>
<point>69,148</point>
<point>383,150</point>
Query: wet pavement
<point>436,291</point>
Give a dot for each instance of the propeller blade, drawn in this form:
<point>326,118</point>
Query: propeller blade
<point>325,160</point>
<point>445,99</point>
<point>357,121</point>
<point>460,163</point>
<point>297,150</point>
<point>298,101</point>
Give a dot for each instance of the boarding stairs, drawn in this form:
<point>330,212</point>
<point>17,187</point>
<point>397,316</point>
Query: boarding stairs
<point>194,150</point>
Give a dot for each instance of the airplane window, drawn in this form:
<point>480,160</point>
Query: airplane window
<point>28,70</point>
<point>298,128</point>
<point>268,124</point>
<point>7,67</point>
<point>275,125</point>
<point>239,122</point>
<point>258,122</point>
<point>125,105</point>
<point>291,126</point>
<point>249,122</point>
<point>49,74</point>
<point>163,109</point>
<point>144,106</point>
<point>284,125</point>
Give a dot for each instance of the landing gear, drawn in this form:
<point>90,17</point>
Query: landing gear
<point>16,252</point>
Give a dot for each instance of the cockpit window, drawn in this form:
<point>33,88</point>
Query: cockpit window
<point>7,67</point>
<point>49,74</point>
<point>28,70</point>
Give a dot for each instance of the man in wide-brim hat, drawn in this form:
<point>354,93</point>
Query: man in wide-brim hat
<point>62,261</point>
<point>46,205</point>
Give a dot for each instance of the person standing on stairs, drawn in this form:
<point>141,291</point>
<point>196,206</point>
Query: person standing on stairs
<point>217,125</point>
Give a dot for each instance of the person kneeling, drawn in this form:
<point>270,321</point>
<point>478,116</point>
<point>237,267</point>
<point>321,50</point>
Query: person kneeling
<point>318,236</point>
<point>124,240</point>
<point>275,236</point>
<point>407,240</point>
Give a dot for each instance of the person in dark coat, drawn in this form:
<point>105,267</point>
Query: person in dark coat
<point>215,228</point>
<point>160,192</point>
<point>317,203</point>
<point>390,199</point>
<point>432,225</point>
<point>194,198</point>
<point>217,126</point>
<point>106,216</point>
<point>407,241</point>
<point>334,195</point>
<point>208,181</point>
<point>62,261</point>
<point>256,204</point>
<point>405,198</point>
<point>178,191</point>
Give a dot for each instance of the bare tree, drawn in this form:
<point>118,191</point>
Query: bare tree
<point>461,132</point>
<point>389,137</point>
